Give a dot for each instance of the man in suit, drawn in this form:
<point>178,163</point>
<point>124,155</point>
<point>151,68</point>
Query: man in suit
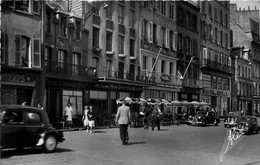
<point>123,119</point>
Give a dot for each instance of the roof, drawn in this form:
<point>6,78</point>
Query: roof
<point>240,38</point>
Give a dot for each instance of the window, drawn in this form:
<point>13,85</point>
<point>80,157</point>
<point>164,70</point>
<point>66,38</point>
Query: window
<point>62,58</point>
<point>162,7</point>
<point>76,62</point>
<point>144,62</point>
<point>132,19</point>
<point>109,68</point>
<point>221,17</point>
<point>226,40</point>
<point>121,14</point>
<point>13,117</point>
<point>121,44</point>
<point>27,6</point>
<point>109,12</point>
<point>226,20</point>
<point>77,30</point>
<point>163,36</point>
<point>36,56</point>
<point>167,38</point>
<point>109,41</point>
<point>180,42</point>
<point>159,35</point>
<point>47,57</point>
<point>154,33</point>
<point>221,38</point>
<point>22,44</point>
<point>171,68</point>
<point>121,68</point>
<point>214,82</point>
<point>32,118</point>
<point>216,35</point>
<point>210,10</point>
<point>195,47</point>
<point>216,14</point>
<point>95,37</point>
<point>144,29</point>
<point>163,67</point>
<point>63,26</point>
<point>95,63</point>
<point>150,32</point>
<point>48,22</point>
<point>4,47</point>
<point>220,83</point>
<point>132,47</point>
<point>172,11</point>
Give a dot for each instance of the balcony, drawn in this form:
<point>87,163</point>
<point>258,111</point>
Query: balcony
<point>216,65</point>
<point>60,68</point>
<point>194,83</point>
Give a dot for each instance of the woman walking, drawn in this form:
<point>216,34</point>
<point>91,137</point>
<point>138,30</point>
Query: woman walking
<point>85,118</point>
<point>91,118</point>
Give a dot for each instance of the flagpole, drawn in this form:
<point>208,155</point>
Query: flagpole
<point>187,67</point>
<point>154,64</point>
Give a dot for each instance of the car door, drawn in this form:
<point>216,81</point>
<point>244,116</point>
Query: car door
<point>33,127</point>
<point>11,128</point>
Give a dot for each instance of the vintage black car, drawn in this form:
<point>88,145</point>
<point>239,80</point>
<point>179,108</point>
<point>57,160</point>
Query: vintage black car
<point>26,126</point>
<point>204,118</point>
<point>247,125</point>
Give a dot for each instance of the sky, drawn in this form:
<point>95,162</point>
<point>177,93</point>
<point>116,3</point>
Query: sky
<point>246,3</point>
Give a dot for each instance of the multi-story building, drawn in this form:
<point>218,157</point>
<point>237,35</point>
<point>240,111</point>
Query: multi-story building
<point>21,52</point>
<point>245,27</point>
<point>215,54</point>
<point>68,77</point>
<point>158,46</point>
<point>188,46</point>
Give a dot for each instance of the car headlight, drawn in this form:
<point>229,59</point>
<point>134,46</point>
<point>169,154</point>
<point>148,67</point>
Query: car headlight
<point>199,117</point>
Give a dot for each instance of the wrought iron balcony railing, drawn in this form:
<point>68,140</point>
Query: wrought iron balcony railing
<point>216,65</point>
<point>62,68</point>
<point>144,76</point>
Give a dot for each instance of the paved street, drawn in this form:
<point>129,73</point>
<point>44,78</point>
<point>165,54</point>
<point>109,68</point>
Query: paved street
<point>173,145</point>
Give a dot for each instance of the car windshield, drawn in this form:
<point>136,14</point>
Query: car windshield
<point>202,113</point>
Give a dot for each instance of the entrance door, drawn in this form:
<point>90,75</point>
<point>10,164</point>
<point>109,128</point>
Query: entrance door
<point>23,95</point>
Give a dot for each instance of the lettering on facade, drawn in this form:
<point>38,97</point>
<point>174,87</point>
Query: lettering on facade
<point>215,92</point>
<point>16,78</point>
<point>165,78</point>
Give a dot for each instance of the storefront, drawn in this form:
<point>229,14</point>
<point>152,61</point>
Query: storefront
<point>218,99</point>
<point>256,105</point>
<point>19,86</point>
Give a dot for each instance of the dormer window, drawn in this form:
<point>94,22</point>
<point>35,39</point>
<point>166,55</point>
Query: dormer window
<point>63,26</point>
<point>27,6</point>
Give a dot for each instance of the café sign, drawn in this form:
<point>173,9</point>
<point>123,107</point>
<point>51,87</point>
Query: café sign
<point>17,78</point>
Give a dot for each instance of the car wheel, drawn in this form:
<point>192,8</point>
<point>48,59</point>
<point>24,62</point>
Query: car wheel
<point>50,143</point>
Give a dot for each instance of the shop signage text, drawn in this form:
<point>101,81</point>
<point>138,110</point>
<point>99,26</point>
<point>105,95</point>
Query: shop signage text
<point>215,92</point>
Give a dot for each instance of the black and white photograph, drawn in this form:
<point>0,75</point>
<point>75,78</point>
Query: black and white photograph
<point>130,82</point>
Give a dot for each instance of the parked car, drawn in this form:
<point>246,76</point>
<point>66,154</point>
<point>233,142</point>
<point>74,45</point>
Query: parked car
<point>247,125</point>
<point>26,126</point>
<point>231,119</point>
<point>204,118</point>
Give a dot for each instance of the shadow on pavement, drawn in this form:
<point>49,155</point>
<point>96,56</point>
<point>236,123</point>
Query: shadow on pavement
<point>96,131</point>
<point>164,130</point>
<point>28,151</point>
<point>132,143</point>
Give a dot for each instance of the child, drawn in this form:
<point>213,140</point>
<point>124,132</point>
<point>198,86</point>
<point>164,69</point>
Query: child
<point>85,118</point>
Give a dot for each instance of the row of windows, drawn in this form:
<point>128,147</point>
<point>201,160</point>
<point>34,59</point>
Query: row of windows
<point>160,7</point>
<point>214,56</point>
<point>27,52</point>
<point>187,19</point>
<point>244,89</point>
<point>219,83</point>
<point>244,72</point>
<point>158,35</point>
<point>26,6</point>
<point>214,35</point>
<point>219,15</point>
<point>187,45</point>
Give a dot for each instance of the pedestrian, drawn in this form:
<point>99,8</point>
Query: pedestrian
<point>123,119</point>
<point>68,115</point>
<point>91,119</point>
<point>85,118</point>
<point>155,118</point>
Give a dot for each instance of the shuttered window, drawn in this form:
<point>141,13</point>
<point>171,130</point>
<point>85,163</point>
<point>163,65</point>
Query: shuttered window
<point>36,50</point>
